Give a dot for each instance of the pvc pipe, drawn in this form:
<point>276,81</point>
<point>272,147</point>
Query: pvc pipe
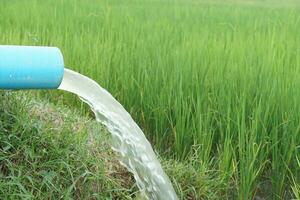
<point>28,67</point>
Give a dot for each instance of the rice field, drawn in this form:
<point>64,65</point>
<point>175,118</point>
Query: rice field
<point>215,82</point>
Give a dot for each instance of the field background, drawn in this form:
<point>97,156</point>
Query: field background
<point>214,85</point>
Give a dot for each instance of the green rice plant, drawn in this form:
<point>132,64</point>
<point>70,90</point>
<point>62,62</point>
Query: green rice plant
<point>216,79</point>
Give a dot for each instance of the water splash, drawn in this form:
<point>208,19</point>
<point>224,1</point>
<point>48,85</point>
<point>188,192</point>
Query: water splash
<point>136,153</point>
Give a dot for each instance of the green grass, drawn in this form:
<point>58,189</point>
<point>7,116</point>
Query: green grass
<point>213,82</point>
<point>51,152</point>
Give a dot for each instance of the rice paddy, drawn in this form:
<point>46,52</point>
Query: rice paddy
<point>213,84</point>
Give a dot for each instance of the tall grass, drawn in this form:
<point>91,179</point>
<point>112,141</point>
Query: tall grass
<point>219,80</point>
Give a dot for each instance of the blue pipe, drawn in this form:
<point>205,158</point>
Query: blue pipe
<point>28,67</point>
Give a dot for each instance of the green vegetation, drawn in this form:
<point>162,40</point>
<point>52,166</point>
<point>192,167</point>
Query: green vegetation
<point>214,85</point>
<point>50,152</point>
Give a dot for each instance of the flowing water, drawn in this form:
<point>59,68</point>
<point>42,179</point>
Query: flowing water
<point>136,153</point>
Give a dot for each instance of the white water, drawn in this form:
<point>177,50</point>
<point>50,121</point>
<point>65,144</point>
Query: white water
<point>136,153</point>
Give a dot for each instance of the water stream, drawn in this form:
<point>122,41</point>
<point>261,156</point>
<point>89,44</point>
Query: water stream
<point>136,153</point>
